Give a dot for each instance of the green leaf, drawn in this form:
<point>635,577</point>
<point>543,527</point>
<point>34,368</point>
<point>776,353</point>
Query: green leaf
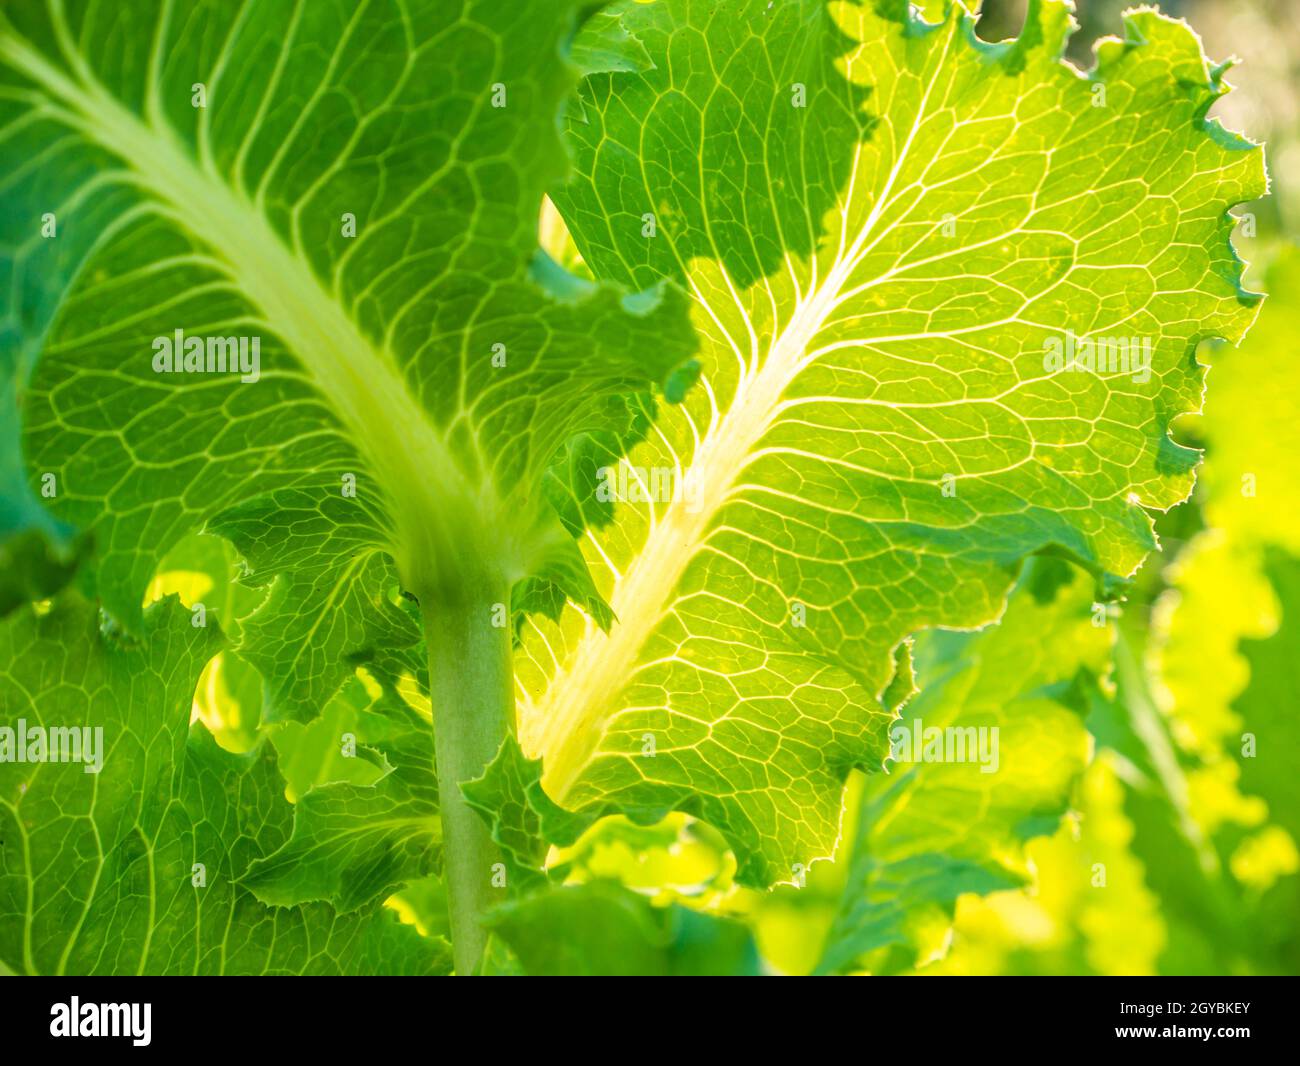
<point>524,820</point>
<point>1220,594</point>
<point>1190,815</point>
<point>429,128</point>
<point>206,569</point>
<point>990,753</point>
<point>1090,911</point>
<point>878,438</point>
<point>339,746</point>
<point>319,622</point>
<point>99,871</point>
<point>604,930</point>
<point>1218,828</point>
<point>354,845</point>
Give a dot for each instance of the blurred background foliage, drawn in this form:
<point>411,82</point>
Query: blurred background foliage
<point>1146,810</point>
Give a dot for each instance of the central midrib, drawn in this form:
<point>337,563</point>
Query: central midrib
<point>361,385</point>
<point>568,720</point>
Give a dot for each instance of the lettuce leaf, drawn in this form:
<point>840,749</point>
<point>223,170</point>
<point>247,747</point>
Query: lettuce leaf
<point>888,228</point>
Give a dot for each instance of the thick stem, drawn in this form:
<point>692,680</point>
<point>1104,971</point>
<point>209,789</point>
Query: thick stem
<point>472,689</point>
